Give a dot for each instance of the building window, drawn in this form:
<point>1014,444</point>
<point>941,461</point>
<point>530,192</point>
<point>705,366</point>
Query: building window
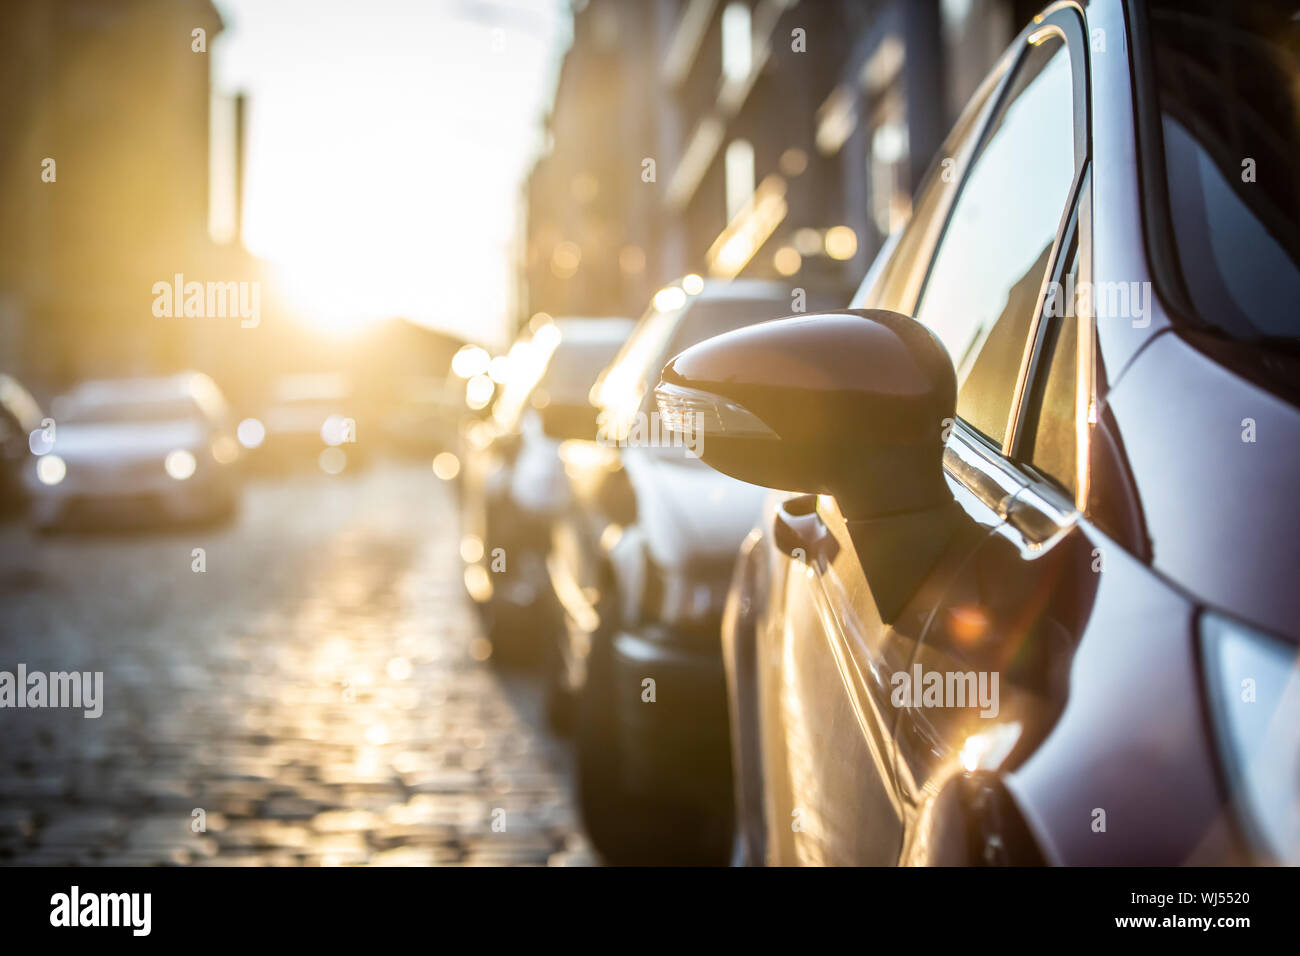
<point>737,43</point>
<point>891,200</point>
<point>740,176</point>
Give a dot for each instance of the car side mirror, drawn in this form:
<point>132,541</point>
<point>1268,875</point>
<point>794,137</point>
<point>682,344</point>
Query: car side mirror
<point>851,403</point>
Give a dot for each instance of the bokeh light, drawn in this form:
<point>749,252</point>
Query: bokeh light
<point>250,432</point>
<point>446,466</point>
<point>180,464</point>
<point>51,469</point>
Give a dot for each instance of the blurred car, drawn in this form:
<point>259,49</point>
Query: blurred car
<point>137,451</point>
<point>312,420</point>
<point>513,482</point>
<point>20,416</point>
<point>640,564</point>
<point>420,416</point>
<point>1034,601</point>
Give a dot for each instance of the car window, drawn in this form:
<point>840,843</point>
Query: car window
<point>624,394</point>
<point>624,383</point>
<point>661,335</point>
<point>529,358</point>
<point>1228,85</point>
<point>895,286</point>
<point>573,368</point>
<point>988,270</point>
<point>1050,413</point>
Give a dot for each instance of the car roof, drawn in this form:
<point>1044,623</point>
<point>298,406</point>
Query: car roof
<point>581,331</point>
<point>734,289</point>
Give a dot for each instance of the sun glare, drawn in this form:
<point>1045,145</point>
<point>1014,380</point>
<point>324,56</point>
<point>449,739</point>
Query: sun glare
<point>370,193</point>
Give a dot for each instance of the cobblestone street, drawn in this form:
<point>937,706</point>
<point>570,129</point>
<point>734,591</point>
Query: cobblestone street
<point>318,695</point>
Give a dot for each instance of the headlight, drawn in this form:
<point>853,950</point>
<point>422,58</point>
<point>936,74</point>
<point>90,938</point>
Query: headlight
<point>1254,686</point>
<point>180,464</point>
<point>50,469</point>
<point>335,430</point>
<point>250,432</point>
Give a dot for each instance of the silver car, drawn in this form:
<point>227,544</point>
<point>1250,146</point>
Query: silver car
<point>135,451</point>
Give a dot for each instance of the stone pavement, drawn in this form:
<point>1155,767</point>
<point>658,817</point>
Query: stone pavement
<point>316,696</point>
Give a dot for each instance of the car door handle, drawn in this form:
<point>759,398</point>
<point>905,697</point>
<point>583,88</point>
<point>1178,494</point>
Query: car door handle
<point>798,530</point>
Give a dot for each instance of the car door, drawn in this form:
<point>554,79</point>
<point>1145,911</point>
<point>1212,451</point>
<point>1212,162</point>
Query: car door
<point>856,598</point>
<point>997,647</point>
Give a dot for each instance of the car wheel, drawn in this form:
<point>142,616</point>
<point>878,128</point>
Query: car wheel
<point>607,808</point>
<point>627,828</point>
<point>561,702</point>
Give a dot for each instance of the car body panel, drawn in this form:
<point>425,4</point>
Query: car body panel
<point>513,483</point>
<point>1224,411</point>
<point>1131,738</point>
<point>644,516</point>
<point>688,512</point>
<point>1085,607</point>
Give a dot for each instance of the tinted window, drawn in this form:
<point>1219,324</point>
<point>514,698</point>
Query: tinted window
<point>1050,413</point>
<point>1228,85</point>
<point>983,286</point>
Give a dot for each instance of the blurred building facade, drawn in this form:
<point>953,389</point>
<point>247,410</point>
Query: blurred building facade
<point>765,138</point>
<point>104,185</point>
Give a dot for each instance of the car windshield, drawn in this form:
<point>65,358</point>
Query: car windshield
<point>708,319</point>
<point>574,367</point>
<point>661,335</point>
<point>565,378</point>
<point>113,411</point>
<point>626,392</point>
<point>1227,80</point>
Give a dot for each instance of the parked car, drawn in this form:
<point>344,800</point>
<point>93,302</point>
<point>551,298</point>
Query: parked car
<point>136,451</point>
<point>640,565</point>
<point>314,419</point>
<point>420,415</point>
<point>1033,601</point>
<point>513,482</point>
<point>20,416</point>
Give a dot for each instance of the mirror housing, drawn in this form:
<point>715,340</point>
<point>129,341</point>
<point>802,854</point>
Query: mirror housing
<point>851,403</point>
